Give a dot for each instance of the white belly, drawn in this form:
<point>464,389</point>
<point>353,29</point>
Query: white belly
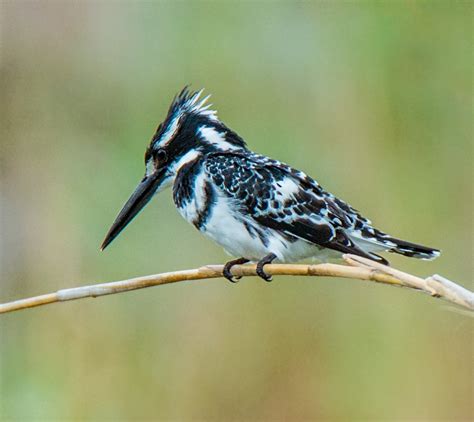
<point>229,230</point>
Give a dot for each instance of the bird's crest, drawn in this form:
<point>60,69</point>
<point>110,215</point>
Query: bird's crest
<point>185,103</point>
<point>188,101</point>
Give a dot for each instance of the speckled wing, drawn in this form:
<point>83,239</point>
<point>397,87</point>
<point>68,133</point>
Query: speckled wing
<point>279,197</point>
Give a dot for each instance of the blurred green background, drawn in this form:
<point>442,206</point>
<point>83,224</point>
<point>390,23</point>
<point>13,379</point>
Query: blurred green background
<point>373,99</point>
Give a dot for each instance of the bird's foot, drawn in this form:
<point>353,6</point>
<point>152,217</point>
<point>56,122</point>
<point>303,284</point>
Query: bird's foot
<point>228,266</point>
<point>268,259</point>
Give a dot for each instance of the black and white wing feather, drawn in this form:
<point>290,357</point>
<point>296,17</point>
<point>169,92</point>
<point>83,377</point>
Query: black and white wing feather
<point>278,197</point>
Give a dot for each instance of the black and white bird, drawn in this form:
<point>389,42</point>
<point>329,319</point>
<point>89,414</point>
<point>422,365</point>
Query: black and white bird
<point>258,209</point>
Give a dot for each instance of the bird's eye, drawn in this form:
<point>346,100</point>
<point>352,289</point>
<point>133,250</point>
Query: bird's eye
<point>161,156</point>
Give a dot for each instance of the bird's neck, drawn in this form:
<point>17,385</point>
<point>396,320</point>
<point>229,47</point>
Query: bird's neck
<point>218,137</point>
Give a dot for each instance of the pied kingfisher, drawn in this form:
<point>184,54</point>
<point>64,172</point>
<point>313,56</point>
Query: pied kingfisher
<point>257,208</point>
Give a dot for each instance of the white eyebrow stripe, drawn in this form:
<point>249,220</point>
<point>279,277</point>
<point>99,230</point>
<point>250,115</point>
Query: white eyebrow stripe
<point>169,134</point>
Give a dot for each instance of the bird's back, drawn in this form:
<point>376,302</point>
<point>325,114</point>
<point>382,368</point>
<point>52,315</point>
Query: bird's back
<point>272,203</point>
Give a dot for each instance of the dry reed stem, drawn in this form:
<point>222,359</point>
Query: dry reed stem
<point>358,268</point>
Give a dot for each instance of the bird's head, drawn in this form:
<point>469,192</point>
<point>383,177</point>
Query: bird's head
<point>189,131</point>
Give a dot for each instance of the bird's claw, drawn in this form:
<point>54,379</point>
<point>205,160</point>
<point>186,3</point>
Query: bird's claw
<point>228,275</point>
<point>227,269</point>
<point>262,274</point>
<point>260,264</point>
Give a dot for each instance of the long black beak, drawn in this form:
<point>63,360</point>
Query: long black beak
<point>139,198</point>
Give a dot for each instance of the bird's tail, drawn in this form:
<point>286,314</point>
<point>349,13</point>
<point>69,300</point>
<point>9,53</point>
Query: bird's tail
<point>412,250</point>
<point>376,240</point>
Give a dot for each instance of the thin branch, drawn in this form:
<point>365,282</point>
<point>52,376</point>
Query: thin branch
<point>358,268</point>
